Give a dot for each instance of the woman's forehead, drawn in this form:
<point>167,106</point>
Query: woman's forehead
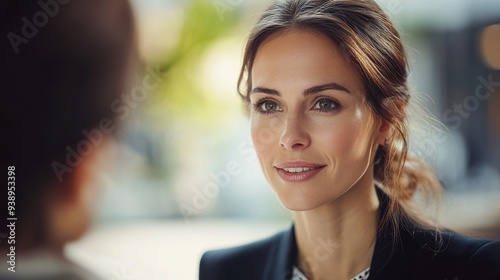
<point>303,58</point>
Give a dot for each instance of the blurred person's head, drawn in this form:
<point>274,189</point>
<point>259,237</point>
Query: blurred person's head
<point>62,64</point>
<point>326,84</point>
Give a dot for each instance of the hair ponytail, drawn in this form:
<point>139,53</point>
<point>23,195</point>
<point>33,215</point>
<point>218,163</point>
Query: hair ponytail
<point>402,176</point>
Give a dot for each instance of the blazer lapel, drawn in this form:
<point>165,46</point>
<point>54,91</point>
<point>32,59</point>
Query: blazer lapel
<point>388,257</point>
<point>282,257</point>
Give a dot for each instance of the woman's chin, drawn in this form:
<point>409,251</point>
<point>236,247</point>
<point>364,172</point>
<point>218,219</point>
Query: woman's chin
<point>301,203</point>
<point>308,200</point>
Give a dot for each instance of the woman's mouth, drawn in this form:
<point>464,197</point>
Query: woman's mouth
<point>298,171</point>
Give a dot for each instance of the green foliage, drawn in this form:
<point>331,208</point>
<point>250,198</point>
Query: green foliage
<point>181,94</point>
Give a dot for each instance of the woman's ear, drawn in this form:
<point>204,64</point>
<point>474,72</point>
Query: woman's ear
<point>383,130</point>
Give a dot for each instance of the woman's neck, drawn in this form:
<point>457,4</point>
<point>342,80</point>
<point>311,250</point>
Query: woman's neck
<point>337,240</point>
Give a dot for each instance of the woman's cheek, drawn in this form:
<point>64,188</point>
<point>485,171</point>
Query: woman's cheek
<point>341,138</point>
<point>356,144</point>
<point>265,132</point>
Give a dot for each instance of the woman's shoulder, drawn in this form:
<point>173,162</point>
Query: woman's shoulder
<point>451,243</point>
<point>250,261</point>
<point>446,252</point>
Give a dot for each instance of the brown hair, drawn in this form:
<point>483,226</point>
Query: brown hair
<point>369,40</point>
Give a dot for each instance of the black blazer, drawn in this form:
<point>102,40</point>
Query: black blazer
<point>419,254</point>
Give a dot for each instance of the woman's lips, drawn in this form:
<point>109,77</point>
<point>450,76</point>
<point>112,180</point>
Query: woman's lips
<point>298,171</point>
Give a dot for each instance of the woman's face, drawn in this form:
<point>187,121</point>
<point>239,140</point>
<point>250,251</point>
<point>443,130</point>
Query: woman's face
<point>312,129</point>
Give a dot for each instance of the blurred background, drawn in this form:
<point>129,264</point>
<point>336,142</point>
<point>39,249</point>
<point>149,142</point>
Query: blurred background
<point>185,178</point>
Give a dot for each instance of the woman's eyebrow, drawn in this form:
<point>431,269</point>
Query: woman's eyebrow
<point>265,90</point>
<point>329,86</point>
<point>309,91</point>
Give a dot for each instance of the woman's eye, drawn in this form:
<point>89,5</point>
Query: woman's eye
<point>267,107</point>
<point>326,105</point>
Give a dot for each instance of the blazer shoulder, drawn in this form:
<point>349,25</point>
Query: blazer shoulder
<point>450,253</point>
<point>456,245</point>
<point>241,262</point>
<point>485,261</point>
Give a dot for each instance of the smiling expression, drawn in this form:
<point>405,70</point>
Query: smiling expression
<point>313,131</point>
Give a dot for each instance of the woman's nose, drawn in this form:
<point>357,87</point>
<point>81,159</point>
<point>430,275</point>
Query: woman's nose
<point>295,135</point>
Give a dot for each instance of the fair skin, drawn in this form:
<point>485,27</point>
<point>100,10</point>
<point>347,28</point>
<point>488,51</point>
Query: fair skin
<point>316,138</point>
